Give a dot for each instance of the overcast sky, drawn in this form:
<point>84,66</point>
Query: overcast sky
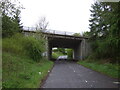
<point>64,15</point>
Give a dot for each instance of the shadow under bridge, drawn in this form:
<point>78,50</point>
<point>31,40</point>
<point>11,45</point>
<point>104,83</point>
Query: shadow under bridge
<point>79,45</point>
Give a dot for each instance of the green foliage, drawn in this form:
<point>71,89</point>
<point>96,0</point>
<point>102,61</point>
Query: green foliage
<point>55,55</point>
<point>19,56</point>
<point>10,18</point>
<point>14,44</point>
<point>104,32</point>
<point>62,50</point>
<point>86,34</point>
<point>105,68</point>
<point>9,26</point>
<point>27,46</point>
<point>58,52</point>
<point>77,34</point>
<point>22,72</point>
<point>35,48</point>
<point>69,53</point>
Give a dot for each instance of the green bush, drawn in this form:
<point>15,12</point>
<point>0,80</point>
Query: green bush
<point>34,47</point>
<point>70,53</point>
<point>22,45</point>
<point>19,69</point>
<point>55,55</point>
<point>14,44</point>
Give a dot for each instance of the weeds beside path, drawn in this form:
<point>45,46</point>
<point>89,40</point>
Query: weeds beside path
<point>21,72</point>
<point>109,69</point>
<point>23,65</point>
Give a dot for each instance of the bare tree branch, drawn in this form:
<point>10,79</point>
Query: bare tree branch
<point>42,24</point>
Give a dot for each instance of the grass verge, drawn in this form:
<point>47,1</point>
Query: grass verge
<point>22,72</point>
<point>109,69</point>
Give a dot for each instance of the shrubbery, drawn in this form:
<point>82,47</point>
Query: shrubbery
<point>10,17</point>
<point>25,45</point>
<point>22,61</point>
<point>104,32</point>
<point>35,48</point>
<point>55,55</point>
<point>70,53</point>
<point>61,52</point>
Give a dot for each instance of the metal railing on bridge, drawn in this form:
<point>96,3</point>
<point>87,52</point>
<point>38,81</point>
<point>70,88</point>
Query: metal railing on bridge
<point>49,31</point>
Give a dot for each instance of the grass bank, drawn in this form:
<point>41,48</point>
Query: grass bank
<point>0,71</point>
<point>109,69</point>
<point>22,72</point>
<point>23,65</point>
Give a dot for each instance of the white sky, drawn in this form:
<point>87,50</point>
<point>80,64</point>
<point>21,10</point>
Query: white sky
<point>64,15</point>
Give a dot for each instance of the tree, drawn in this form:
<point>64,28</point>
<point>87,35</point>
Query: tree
<point>86,34</point>
<point>10,18</point>
<point>104,30</point>
<point>41,27</point>
<point>62,50</point>
<point>17,19</point>
<point>69,53</point>
<point>42,24</point>
<point>77,34</point>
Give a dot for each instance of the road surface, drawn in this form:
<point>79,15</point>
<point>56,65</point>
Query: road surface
<point>71,75</point>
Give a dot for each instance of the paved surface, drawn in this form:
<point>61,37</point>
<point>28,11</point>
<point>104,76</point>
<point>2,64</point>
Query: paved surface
<point>62,57</point>
<point>71,75</point>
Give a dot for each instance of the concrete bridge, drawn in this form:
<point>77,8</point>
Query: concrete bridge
<point>80,46</point>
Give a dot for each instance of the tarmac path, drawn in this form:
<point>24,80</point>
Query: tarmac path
<point>72,75</point>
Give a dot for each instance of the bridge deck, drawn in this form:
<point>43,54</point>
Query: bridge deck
<point>60,35</point>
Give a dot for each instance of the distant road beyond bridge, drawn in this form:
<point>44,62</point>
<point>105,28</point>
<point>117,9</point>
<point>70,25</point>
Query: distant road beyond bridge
<point>80,46</point>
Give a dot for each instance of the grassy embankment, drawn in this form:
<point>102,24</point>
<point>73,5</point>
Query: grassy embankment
<point>0,63</point>
<point>106,68</point>
<point>20,70</point>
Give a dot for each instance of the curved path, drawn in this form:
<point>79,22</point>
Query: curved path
<point>71,75</point>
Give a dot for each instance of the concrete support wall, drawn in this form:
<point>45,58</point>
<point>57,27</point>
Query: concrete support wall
<point>77,49</point>
<point>85,49</point>
<point>49,51</point>
<point>82,50</point>
<point>88,48</point>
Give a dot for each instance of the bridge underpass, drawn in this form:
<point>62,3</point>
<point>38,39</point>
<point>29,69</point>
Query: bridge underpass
<point>78,44</point>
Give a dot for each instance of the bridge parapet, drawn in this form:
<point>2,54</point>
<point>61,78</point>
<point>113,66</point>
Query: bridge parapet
<point>66,35</point>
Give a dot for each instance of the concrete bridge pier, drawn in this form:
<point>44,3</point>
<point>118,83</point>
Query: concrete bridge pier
<point>81,50</point>
<point>85,49</point>
<point>77,51</point>
<point>49,51</point>
<point>82,54</point>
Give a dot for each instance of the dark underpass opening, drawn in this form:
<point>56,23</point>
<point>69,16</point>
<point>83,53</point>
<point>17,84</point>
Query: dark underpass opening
<point>77,45</point>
